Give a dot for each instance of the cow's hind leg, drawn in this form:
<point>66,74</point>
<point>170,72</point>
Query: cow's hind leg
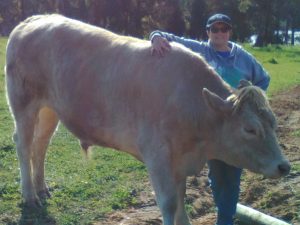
<point>25,121</point>
<point>44,128</point>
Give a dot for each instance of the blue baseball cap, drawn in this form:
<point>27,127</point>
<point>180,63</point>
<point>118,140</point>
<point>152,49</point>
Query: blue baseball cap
<point>218,18</point>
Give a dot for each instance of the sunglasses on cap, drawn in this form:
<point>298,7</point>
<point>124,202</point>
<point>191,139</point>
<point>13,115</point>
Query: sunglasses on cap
<point>222,29</point>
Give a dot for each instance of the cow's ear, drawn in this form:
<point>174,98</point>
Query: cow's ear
<point>215,102</point>
<point>244,83</point>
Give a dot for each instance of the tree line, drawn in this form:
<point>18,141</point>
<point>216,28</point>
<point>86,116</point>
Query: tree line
<point>269,19</point>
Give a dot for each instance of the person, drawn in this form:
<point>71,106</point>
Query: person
<point>232,63</point>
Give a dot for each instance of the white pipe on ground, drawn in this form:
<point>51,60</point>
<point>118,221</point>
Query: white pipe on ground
<point>251,216</point>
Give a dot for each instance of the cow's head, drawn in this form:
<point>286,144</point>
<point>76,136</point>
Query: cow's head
<point>246,135</point>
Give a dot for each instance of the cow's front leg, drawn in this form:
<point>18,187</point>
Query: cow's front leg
<point>181,215</point>
<point>167,184</point>
<point>165,189</point>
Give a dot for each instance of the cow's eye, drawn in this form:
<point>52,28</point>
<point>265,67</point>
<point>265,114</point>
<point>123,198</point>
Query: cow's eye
<point>250,130</point>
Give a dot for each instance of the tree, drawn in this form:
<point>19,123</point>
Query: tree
<point>295,18</point>
<point>9,15</point>
<point>264,14</point>
<point>290,16</point>
<point>198,17</point>
<point>72,8</point>
<point>167,15</point>
<point>267,18</point>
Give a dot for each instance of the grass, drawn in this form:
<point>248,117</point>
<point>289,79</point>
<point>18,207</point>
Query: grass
<point>296,168</point>
<point>281,63</point>
<point>296,133</point>
<point>83,190</point>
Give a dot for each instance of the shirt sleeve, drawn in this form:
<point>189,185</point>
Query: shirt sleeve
<point>260,77</point>
<point>194,45</point>
<point>254,71</point>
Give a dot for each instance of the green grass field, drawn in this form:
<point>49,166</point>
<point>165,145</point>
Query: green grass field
<point>84,190</point>
<point>282,63</point>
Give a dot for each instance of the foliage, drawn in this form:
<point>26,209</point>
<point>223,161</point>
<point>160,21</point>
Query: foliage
<point>134,17</point>
<point>140,17</point>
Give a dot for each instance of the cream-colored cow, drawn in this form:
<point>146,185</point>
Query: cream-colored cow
<point>108,90</point>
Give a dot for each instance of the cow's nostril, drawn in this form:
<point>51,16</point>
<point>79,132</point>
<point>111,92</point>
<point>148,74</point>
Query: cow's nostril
<point>284,168</point>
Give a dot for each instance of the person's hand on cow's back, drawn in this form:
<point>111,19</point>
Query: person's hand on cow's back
<point>160,46</point>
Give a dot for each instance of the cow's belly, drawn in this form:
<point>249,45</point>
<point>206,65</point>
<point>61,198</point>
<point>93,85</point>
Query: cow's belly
<point>92,131</point>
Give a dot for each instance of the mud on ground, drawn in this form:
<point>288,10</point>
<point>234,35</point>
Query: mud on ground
<point>278,198</point>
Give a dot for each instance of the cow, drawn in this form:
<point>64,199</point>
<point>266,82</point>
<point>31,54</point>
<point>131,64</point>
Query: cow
<point>172,113</point>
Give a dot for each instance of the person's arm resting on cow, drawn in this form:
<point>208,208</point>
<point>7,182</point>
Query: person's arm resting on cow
<point>160,42</point>
<point>256,73</point>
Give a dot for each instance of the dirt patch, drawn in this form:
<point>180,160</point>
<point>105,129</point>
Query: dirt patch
<point>278,198</point>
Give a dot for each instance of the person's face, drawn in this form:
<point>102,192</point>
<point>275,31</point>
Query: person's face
<point>219,34</point>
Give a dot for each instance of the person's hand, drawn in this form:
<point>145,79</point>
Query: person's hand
<point>160,46</point>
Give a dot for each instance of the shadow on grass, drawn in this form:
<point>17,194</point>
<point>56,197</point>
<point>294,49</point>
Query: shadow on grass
<point>36,216</point>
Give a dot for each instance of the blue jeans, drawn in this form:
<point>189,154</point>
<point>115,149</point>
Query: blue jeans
<point>225,184</point>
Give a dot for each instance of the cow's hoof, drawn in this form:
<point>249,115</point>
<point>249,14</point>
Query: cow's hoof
<point>32,204</point>
<point>44,194</point>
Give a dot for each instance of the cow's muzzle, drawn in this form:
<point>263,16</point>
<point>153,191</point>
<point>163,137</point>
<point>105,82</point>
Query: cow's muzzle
<point>284,168</point>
